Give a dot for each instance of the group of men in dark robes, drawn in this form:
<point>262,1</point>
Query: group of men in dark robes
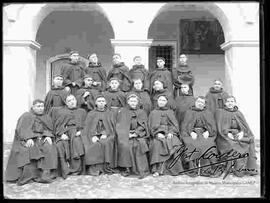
<point>132,122</point>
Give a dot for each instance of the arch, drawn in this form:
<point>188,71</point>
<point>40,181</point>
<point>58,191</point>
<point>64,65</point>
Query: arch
<point>212,8</point>
<point>36,13</point>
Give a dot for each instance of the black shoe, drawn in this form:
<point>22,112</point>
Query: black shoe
<point>126,172</point>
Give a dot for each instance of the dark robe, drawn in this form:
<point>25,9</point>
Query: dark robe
<point>162,74</point>
<point>168,94</point>
<point>86,103</point>
<point>103,151</point>
<point>146,103</point>
<point>116,99</point>
<point>182,75</point>
<point>199,121</point>
<point>24,162</point>
<point>121,71</point>
<point>216,99</point>
<point>55,97</point>
<point>162,150</point>
<point>183,103</point>
<point>132,152</point>
<point>99,75</point>
<point>69,121</point>
<point>73,73</point>
<point>233,121</point>
<point>139,72</point>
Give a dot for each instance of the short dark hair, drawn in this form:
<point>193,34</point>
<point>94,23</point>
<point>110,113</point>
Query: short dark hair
<point>37,101</point>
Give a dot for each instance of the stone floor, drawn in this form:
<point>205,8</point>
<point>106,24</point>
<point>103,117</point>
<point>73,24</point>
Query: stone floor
<point>116,186</point>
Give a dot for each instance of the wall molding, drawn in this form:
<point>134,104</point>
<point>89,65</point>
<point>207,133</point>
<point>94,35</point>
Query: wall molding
<point>141,43</point>
<point>22,43</point>
<point>239,43</point>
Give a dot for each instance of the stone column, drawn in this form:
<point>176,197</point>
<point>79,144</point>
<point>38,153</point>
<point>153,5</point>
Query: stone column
<point>242,61</point>
<point>19,75</point>
<point>130,48</point>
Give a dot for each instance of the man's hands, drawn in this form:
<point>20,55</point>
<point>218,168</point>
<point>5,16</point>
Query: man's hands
<point>230,135</point>
<point>78,133</point>
<point>170,135</point>
<point>160,136</point>
<point>29,143</point>
<point>131,135</point>
<point>193,135</point>
<point>240,135</point>
<point>206,134</point>
<point>48,139</point>
<point>95,139</point>
<point>103,137</point>
<point>67,88</point>
<point>64,137</point>
<point>73,84</point>
<point>86,94</point>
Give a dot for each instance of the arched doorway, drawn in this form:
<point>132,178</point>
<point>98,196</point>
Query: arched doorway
<point>168,34</point>
<point>70,28</point>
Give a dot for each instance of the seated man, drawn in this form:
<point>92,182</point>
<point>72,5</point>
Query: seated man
<point>235,136</point>
<point>132,134</point>
<point>56,96</point>
<point>68,125</point>
<point>144,96</point>
<point>183,102</point>
<point>99,139</point>
<point>33,155</point>
<point>85,96</point>
<point>198,131</point>
<point>164,139</point>
<point>216,97</point>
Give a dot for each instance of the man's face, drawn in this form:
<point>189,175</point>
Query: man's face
<point>116,59</point>
<point>230,103</point>
<point>101,102</point>
<point>184,88</point>
<point>58,81</point>
<point>158,85</point>
<point>88,82</point>
<point>138,84</point>
<point>217,85</point>
<point>138,61</point>
<point>160,63</point>
<point>162,101</point>
<point>38,108</point>
<point>114,84</point>
<point>71,102</point>
<point>93,58</point>
<point>133,102</point>
<point>74,57</point>
<point>183,59</point>
<point>200,103</point>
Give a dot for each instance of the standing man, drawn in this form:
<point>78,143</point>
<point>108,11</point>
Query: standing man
<point>161,73</point>
<point>73,73</point>
<point>120,71</point>
<point>182,74</point>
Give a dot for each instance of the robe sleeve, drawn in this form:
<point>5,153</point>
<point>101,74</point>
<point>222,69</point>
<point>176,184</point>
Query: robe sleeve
<point>48,102</point>
<point>142,129</point>
<point>82,117</point>
<point>210,123</point>
<point>173,128</point>
<point>79,80</point>
<point>187,123</point>
<point>24,127</point>
<point>175,81</point>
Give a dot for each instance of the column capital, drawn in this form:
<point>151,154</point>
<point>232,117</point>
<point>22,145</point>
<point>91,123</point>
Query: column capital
<point>239,43</point>
<point>141,43</point>
<point>22,43</point>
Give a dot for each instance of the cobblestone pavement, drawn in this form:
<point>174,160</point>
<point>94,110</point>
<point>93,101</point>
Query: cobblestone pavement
<point>116,186</point>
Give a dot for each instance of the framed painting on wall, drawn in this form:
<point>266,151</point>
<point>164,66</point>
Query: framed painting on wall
<point>201,36</point>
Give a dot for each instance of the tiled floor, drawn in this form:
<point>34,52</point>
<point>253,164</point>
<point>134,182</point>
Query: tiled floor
<point>116,186</point>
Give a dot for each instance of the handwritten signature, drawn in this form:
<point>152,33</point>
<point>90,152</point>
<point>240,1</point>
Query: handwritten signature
<point>231,156</point>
